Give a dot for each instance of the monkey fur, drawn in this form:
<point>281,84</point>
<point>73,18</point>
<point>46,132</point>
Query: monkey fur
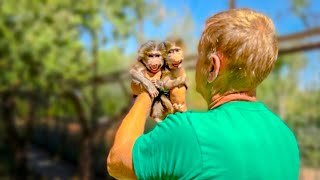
<point>173,77</point>
<point>148,67</point>
<point>146,72</point>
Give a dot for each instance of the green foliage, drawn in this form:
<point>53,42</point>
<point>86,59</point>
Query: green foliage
<point>298,107</point>
<point>194,99</point>
<point>114,99</point>
<point>40,45</point>
<point>303,9</point>
<point>51,53</point>
<point>112,60</point>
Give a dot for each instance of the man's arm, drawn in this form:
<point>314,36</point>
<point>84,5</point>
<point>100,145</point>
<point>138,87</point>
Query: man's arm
<point>119,160</point>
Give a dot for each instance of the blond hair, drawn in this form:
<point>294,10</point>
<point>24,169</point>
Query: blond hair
<point>248,44</point>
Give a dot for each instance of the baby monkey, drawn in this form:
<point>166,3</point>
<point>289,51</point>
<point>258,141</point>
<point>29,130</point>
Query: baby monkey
<point>173,78</point>
<point>148,67</point>
<point>148,70</point>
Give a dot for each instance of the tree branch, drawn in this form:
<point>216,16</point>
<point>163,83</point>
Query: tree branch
<point>300,35</point>
<point>298,48</point>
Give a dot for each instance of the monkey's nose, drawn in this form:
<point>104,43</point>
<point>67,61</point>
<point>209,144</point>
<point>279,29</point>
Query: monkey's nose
<point>179,62</point>
<point>154,66</point>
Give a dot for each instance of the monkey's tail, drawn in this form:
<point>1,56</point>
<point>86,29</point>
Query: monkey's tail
<point>167,104</point>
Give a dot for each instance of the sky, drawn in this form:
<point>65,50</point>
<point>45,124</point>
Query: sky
<point>197,11</point>
<point>278,10</point>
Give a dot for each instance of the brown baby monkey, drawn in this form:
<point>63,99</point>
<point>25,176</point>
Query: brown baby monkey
<point>148,67</point>
<point>173,78</point>
<point>148,70</point>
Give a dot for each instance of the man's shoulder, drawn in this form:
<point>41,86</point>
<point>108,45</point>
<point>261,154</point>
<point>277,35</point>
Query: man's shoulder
<point>176,123</point>
<point>192,115</point>
<point>194,118</point>
<point>177,128</point>
<point>171,142</point>
<point>189,123</point>
<point>184,119</point>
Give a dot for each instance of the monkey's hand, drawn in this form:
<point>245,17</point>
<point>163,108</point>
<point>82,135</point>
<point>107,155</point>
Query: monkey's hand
<point>158,84</point>
<point>137,76</point>
<point>152,90</point>
<point>168,84</point>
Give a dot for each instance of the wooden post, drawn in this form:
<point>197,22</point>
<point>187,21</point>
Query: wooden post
<point>232,4</point>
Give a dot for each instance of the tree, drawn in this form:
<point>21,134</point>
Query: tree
<point>42,57</point>
<point>299,107</point>
<point>31,47</point>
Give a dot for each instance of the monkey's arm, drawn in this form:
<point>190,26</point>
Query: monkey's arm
<point>119,160</point>
<point>171,83</point>
<point>137,75</point>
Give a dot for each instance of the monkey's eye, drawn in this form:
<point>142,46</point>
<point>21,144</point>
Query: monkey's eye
<point>150,55</point>
<point>157,55</point>
<point>171,51</point>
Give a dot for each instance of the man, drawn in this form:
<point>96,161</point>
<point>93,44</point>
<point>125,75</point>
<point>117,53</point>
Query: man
<point>238,137</point>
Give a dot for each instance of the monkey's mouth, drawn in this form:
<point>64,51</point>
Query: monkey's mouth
<point>154,68</point>
<point>176,64</point>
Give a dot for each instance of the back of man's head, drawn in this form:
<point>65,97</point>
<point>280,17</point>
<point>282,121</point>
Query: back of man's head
<point>248,44</point>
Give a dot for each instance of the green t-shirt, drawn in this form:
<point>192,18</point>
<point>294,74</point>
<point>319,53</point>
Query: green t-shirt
<point>237,140</point>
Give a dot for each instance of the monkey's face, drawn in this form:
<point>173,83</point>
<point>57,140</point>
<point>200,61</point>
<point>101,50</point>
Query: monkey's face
<point>153,61</point>
<point>174,57</point>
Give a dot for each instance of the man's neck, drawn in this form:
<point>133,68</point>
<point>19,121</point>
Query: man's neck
<point>219,99</point>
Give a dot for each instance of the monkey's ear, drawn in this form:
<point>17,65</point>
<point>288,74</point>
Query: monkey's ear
<point>140,55</point>
<point>213,67</point>
<point>145,47</point>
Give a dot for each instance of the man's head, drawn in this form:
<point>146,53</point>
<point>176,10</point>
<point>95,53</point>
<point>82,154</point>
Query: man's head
<point>237,50</point>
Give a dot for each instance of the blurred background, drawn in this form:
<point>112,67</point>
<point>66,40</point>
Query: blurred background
<point>64,84</point>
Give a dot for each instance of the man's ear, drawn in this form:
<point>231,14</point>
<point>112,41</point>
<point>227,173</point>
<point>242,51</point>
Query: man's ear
<point>214,68</point>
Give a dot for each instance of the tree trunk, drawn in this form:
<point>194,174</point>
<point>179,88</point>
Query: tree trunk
<point>85,160</point>
<point>16,144</point>
<point>232,4</point>
<point>94,111</point>
<point>30,118</point>
<point>86,144</point>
